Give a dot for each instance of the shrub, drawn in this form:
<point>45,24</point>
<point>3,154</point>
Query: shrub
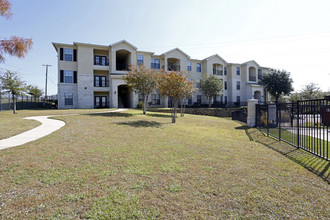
<point>139,105</point>
<point>196,105</point>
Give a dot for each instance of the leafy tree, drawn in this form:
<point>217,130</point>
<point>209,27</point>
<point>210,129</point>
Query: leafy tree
<point>211,87</point>
<point>14,46</point>
<point>310,91</point>
<point>11,83</point>
<point>277,83</point>
<point>173,84</point>
<point>143,81</point>
<point>34,91</point>
<point>188,91</point>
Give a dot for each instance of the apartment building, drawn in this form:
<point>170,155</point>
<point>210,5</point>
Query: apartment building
<point>91,76</point>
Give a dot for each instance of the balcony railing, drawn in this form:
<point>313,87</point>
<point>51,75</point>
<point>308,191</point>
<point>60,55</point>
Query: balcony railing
<point>122,67</point>
<point>101,61</point>
<point>217,72</point>
<point>173,68</point>
<point>252,78</point>
<point>101,83</point>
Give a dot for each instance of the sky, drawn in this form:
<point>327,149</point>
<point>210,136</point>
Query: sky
<point>293,35</point>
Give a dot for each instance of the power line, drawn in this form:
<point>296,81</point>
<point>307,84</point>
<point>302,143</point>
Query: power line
<point>236,42</point>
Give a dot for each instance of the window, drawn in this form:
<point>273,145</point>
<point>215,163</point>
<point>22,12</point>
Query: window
<point>238,71</point>
<point>238,85</point>
<point>225,85</point>
<point>140,98</point>
<point>68,98</point>
<point>189,66</point>
<point>221,70</point>
<point>100,102</point>
<point>190,101</point>
<point>100,81</point>
<point>155,99</point>
<point>225,71</point>
<point>155,63</point>
<point>199,99</point>
<point>226,99</point>
<point>198,67</point>
<point>101,60</point>
<point>139,59</point>
<point>97,60</point>
<point>68,76</point>
<point>238,98</point>
<point>68,54</point>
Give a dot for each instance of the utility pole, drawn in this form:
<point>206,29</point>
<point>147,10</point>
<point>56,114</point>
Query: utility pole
<point>46,65</point>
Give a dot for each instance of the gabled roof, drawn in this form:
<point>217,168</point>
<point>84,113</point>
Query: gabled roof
<point>177,50</point>
<point>216,55</point>
<point>251,61</point>
<point>56,45</point>
<point>125,42</point>
<point>141,51</point>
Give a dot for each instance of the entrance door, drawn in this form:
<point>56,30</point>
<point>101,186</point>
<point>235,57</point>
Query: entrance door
<point>101,102</point>
<point>123,97</point>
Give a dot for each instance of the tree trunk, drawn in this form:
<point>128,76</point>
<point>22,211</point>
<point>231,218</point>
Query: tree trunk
<point>183,109</point>
<point>210,101</point>
<point>174,111</point>
<point>14,104</point>
<point>182,105</point>
<point>145,99</point>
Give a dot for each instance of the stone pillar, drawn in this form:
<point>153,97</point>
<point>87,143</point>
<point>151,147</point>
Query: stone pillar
<point>251,119</point>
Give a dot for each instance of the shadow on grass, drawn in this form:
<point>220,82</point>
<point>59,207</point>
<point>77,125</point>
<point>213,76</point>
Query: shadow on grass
<point>141,123</point>
<point>158,115</point>
<point>314,164</point>
<point>112,114</point>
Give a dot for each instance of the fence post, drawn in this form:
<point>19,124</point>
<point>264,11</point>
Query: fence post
<point>267,117</point>
<point>298,144</point>
<point>279,120</point>
<point>251,120</point>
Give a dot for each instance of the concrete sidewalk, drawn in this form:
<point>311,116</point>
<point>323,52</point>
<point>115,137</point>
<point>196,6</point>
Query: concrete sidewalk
<point>47,127</point>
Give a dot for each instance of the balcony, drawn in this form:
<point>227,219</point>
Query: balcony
<point>252,78</point>
<point>101,61</point>
<point>101,81</point>
<point>217,72</point>
<point>173,68</point>
<point>103,84</point>
<point>122,67</point>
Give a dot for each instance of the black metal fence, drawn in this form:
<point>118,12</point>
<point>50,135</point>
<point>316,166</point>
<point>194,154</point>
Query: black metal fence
<point>303,124</point>
<point>26,102</point>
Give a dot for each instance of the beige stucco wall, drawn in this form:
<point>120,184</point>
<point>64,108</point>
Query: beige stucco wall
<point>84,91</point>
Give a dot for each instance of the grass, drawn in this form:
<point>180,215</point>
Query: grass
<point>128,165</point>
<point>13,124</point>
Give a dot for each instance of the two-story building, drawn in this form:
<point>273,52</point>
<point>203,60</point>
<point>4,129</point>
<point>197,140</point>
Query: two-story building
<point>91,76</point>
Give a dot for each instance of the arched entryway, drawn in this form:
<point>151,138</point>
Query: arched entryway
<point>124,97</point>
<point>123,60</point>
<point>257,95</point>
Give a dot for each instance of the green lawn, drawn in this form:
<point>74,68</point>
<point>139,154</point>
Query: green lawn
<point>12,124</point>
<point>128,165</point>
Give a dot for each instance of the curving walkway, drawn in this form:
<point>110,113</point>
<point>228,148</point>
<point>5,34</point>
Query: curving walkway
<point>47,127</point>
